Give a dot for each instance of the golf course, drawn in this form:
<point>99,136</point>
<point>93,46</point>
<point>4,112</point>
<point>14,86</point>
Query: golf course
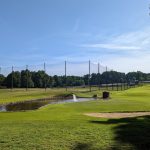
<point>66,126</point>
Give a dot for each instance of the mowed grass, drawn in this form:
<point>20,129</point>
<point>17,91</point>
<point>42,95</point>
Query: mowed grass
<point>18,94</point>
<point>65,127</point>
<point>7,95</point>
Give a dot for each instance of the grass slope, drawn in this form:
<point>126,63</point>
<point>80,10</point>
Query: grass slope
<point>64,127</point>
<point>6,95</point>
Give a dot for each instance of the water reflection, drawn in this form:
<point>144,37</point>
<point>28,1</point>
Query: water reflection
<point>35,104</point>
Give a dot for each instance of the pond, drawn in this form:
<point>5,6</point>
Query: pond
<point>35,104</point>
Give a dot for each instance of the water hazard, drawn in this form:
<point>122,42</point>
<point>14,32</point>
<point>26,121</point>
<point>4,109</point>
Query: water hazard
<point>35,104</point>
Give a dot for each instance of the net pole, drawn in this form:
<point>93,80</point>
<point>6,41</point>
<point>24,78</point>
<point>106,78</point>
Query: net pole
<point>112,81</point>
<point>12,84</point>
<point>27,75</point>
<point>121,84</point>
<point>66,75</point>
<point>124,85</point>
<point>45,76</point>
<point>89,75</point>
<point>99,76</point>
<point>106,79</point>
<point>112,88</point>
<point>98,67</point>
<point>0,74</point>
<point>117,86</point>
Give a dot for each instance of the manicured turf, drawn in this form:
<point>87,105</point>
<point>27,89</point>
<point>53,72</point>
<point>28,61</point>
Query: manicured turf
<point>64,127</point>
<point>16,95</point>
<point>6,95</point>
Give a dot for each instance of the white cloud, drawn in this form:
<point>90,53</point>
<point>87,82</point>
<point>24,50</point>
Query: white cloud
<point>127,64</point>
<point>112,46</point>
<point>129,42</point>
<point>124,52</point>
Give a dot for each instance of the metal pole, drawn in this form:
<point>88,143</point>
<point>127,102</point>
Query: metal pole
<point>117,86</point>
<point>0,74</point>
<point>106,79</point>
<point>124,85</point>
<point>112,81</point>
<point>121,84</point>
<point>89,75</point>
<point>99,76</point>
<point>45,76</point>
<point>127,85</point>
<point>27,77</point>
<point>66,75</point>
<point>98,68</point>
<point>12,78</point>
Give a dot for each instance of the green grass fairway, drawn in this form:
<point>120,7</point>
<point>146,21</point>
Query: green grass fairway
<point>64,127</point>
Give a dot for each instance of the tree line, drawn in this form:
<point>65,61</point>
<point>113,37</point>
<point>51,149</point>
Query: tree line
<point>40,79</point>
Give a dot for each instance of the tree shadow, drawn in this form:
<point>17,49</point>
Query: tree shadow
<point>83,146</point>
<point>131,132</point>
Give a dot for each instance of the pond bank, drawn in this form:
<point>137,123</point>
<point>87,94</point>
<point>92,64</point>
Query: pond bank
<point>35,104</point>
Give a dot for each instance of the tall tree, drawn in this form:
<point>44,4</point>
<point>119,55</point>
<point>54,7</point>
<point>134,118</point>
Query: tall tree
<point>15,77</point>
<point>2,80</point>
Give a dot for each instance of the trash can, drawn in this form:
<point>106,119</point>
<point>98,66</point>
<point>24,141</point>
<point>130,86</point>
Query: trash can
<point>105,94</point>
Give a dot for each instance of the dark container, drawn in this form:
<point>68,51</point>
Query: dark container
<point>105,95</point>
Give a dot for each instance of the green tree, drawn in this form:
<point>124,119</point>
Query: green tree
<point>26,79</point>
<point>2,80</point>
<point>14,78</point>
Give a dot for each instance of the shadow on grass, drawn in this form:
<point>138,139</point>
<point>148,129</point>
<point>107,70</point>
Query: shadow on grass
<point>83,146</point>
<point>131,132</point>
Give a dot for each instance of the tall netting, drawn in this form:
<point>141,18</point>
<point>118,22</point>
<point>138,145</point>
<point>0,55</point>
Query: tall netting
<point>65,74</point>
<point>35,68</point>
<point>5,70</point>
<point>77,68</point>
<point>93,67</point>
<point>57,68</point>
<point>73,68</point>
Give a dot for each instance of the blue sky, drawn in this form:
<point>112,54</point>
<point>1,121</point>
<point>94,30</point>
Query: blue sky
<point>115,33</point>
